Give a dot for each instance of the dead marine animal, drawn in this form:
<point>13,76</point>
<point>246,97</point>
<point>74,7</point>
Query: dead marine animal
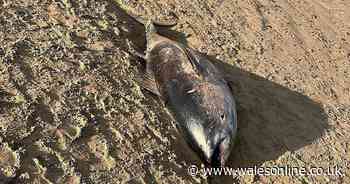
<point>195,93</point>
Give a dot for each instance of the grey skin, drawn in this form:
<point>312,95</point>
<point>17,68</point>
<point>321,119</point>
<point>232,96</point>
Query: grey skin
<point>196,95</point>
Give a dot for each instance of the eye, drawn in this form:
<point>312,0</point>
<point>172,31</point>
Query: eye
<point>222,116</point>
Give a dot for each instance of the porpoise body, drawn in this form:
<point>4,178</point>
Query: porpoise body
<point>196,95</point>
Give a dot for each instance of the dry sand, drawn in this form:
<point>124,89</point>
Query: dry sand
<point>71,112</point>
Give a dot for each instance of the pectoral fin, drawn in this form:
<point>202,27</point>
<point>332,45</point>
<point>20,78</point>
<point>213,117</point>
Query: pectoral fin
<point>202,65</point>
<point>194,59</point>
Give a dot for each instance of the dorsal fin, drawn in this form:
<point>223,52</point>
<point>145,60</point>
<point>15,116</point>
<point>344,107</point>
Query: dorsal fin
<point>147,81</point>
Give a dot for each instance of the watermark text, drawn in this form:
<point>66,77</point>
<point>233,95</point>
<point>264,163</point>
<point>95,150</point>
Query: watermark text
<point>193,170</point>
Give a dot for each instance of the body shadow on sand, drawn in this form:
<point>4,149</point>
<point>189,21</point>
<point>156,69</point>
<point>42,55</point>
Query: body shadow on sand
<point>272,119</point>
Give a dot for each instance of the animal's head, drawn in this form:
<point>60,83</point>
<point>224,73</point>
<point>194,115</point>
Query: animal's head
<point>212,130</point>
<point>213,144</point>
